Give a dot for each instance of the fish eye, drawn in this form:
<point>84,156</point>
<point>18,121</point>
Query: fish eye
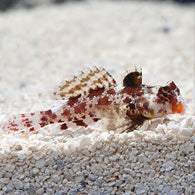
<point>165,93</point>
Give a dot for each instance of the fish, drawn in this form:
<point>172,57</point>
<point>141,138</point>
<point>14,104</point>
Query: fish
<point>94,96</point>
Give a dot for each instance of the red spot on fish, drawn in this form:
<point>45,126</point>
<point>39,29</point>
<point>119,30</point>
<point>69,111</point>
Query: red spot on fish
<point>95,119</point>
<point>94,93</point>
<point>43,118</point>
<point>28,123</point>
<point>91,114</point>
<point>83,117</point>
<point>31,129</point>
<point>42,124</point>
<point>66,112</point>
<point>50,114</point>
<point>73,100</point>
<point>80,123</point>
<point>64,126</point>
<point>13,124</point>
<point>80,108</point>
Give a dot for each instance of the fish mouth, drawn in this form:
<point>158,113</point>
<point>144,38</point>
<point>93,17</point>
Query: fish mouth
<point>178,108</point>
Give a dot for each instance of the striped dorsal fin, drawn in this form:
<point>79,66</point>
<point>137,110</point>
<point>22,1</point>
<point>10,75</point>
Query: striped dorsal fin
<point>83,83</point>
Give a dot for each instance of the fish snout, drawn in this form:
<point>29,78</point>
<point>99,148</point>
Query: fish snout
<point>179,108</point>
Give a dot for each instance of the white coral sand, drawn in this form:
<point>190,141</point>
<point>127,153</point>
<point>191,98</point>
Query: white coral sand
<point>41,47</point>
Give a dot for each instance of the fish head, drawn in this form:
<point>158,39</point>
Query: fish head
<point>170,95</point>
<point>160,101</point>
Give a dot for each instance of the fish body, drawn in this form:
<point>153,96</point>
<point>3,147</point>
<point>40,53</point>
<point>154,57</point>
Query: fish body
<point>93,96</point>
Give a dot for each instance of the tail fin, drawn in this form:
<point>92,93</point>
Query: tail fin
<point>30,121</point>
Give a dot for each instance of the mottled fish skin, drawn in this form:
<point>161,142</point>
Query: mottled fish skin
<point>87,104</point>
